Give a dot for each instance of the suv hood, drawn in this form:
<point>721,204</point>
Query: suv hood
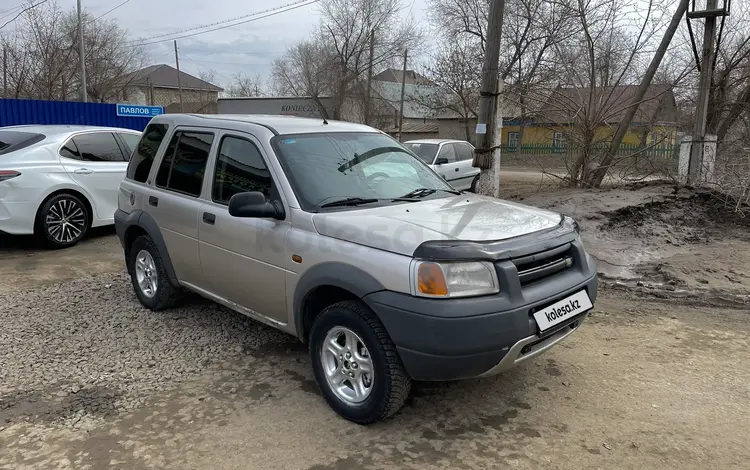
<point>401,228</point>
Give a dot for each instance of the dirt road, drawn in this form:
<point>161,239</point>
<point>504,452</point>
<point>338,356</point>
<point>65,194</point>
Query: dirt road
<point>89,379</point>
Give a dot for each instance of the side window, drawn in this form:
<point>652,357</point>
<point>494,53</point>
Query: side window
<point>69,150</point>
<point>145,152</point>
<point>239,168</point>
<point>98,147</point>
<point>464,152</point>
<point>131,141</point>
<point>447,151</point>
<point>184,163</point>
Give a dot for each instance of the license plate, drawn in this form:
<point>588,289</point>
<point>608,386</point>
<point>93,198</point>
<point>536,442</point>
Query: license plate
<point>563,310</point>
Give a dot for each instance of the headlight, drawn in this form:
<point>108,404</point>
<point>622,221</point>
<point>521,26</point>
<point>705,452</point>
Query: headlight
<point>570,221</point>
<point>453,279</point>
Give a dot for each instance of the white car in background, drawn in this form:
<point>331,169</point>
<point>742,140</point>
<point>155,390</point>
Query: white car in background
<point>451,159</point>
<point>57,181</point>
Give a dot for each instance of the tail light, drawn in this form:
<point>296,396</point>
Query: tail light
<point>8,174</point>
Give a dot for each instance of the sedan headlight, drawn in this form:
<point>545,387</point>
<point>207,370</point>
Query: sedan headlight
<point>453,279</point>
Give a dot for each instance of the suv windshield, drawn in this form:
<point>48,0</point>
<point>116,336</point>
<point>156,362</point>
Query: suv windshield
<point>424,151</point>
<point>328,167</point>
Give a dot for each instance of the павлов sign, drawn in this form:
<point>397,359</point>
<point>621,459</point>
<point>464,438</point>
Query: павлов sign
<point>134,110</point>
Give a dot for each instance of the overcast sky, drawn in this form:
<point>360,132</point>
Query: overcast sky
<point>248,48</point>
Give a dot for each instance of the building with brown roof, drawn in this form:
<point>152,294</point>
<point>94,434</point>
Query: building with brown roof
<point>157,85</point>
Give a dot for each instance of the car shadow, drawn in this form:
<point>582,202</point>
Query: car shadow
<point>26,244</point>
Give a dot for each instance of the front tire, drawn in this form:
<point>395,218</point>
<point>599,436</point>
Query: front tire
<point>62,221</point>
<point>149,276</point>
<point>356,364</point>
<point>474,183</point>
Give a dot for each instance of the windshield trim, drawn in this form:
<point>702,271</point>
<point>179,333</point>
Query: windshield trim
<point>313,208</point>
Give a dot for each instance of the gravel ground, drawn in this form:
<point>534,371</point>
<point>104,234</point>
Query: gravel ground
<point>88,346</point>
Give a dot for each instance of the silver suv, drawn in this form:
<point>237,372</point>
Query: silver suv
<point>340,236</point>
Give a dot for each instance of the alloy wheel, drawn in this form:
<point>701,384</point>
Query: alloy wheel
<point>145,273</point>
<point>65,221</point>
<point>347,365</point>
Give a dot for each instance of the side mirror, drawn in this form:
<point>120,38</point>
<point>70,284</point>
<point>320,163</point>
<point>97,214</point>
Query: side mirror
<point>254,205</point>
<point>441,161</point>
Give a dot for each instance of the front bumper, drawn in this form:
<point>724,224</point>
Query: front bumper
<point>448,339</point>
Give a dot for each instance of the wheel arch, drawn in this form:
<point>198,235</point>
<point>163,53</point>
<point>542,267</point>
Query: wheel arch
<point>326,284</point>
<point>130,226</point>
<point>66,190</point>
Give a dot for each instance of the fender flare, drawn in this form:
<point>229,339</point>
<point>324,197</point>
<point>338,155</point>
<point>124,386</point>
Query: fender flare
<point>336,274</point>
<point>145,221</point>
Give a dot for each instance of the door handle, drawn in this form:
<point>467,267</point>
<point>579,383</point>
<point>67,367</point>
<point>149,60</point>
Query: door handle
<point>456,169</point>
<point>153,201</point>
<point>82,171</point>
<point>209,219</point>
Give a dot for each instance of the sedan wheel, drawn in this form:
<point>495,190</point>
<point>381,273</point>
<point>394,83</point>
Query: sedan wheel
<point>63,220</point>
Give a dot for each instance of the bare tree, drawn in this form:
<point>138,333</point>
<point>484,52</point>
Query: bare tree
<point>42,54</point>
<point>245,86</point>
<point>335,60</point>
<point>454,69</point>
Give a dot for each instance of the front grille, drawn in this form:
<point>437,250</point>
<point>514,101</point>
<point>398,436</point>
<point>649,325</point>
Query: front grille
<point>532,268</point>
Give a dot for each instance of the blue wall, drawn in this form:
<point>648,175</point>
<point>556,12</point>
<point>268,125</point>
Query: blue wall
<point>19,112</point>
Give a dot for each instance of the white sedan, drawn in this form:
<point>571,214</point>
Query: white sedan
<point>451,159</point>
<point>57,181</point>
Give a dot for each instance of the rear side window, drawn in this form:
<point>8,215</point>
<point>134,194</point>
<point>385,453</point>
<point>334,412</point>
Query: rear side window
<point>145,152</point>
<point>184,163</point>
<point>10,141</point>
<point>239,168</point>
<point>98,147</point>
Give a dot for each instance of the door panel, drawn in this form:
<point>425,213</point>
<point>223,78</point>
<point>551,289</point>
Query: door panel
<point>466,173</point>
<point>242,258</point>
<point>96,163</point>
<point>177,216</point>
<point>447,170</point>
<point>175,202</point>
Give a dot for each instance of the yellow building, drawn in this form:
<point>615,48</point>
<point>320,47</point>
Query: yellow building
<point>561,121</point>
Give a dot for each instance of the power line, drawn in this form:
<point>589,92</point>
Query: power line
<point>22,12</point>
<point>111,10</point>
<point>265,14</point>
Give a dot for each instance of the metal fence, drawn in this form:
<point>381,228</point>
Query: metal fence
<point>14,112</point>
<point>625,150</point>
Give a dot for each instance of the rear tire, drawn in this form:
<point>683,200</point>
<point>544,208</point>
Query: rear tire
<point>62,221</point>
<point>149,276</point>
<point>355,397</point>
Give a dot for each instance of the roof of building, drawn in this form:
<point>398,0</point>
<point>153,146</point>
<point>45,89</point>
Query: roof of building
<point>417,128</point>
<point>397,76</point>
<point>278,124</point>
<point>564,105</point>
<point>165,76</point>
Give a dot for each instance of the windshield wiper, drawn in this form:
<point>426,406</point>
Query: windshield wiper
<point>355,201</point>
<point>422,192</point>
<point>350,201</point>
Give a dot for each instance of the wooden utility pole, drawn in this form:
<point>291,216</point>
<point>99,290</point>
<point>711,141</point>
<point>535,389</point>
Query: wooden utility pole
<point>179,84</point>
<point>82,55</point>
<point>704,90</point>
<point>403,91</point>
<point>624,125</point>
<point>486,153</point>
<point>368,93</point>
